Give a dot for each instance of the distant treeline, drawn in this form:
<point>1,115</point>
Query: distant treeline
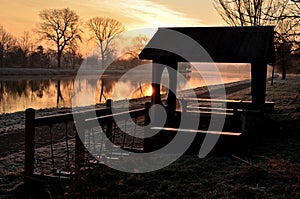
<point>39,58</point>
<point>55,42</point>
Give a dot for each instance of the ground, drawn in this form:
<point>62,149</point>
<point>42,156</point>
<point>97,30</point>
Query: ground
<point>267,167</point>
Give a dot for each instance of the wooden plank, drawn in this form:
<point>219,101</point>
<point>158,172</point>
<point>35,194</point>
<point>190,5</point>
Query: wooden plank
<point>222,100</point>
<point>210,108</point>
<point>66,117</point>
<point>212,100</point>
<point>235,104</point>
<point>120,115</point>
<point>195,131</point>
<point>210,112</point>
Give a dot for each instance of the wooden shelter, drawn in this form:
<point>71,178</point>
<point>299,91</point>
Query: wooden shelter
<point>253,45</point>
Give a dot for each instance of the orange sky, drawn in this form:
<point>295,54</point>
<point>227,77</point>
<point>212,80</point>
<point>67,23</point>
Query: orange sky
<point>19,15</point>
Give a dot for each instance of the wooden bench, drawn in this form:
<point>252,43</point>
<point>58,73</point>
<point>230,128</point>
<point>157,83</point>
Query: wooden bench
<point>231,105</point>
<point>227,142</point>
<point>195,131</point>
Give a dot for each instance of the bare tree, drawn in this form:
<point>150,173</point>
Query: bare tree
<point>282,14</point>
<point>249,12</point>
<point>72,57</point>
<point>61,27</point>
<point>137,45</point>
<point>288,29</point>
<point>6,42</point>
<point>104,30</point>
<point>26,45</point>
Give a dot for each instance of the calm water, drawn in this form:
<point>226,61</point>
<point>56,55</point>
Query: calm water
<point>19,94</point>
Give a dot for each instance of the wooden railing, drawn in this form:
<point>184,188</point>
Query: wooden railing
<point>53,146</point>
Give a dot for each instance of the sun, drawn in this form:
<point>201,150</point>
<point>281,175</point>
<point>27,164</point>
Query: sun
<point>148,90</point>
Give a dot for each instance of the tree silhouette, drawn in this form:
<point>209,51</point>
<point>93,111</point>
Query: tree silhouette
<point>26,45</point>
<point>137,45</point>
<point>104,30</point>
<point>249,12</point>
<point>6,42</point>
<point>61,27</point>
<point>282,14</point>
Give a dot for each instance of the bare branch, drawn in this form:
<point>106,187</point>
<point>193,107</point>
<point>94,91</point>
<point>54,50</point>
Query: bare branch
<point>61,27</point>
<point>104,30</point>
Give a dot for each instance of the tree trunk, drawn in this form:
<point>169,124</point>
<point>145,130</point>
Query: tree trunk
<point>24,60</point>
<point>1,59</point>
<point>102,55</point>
<point>59,95</point>
<point>283,72</point>
<point>58,58</point>
<point>101,91</point>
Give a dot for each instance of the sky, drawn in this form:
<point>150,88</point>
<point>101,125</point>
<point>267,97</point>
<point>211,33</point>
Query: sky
<point>18,15</point>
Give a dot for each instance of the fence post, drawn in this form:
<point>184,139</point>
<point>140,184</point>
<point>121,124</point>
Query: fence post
<point>79,143</point>
<point>109,123</point>
<point>184,105</point>
<point>29,141</point>
<point>147,119</point>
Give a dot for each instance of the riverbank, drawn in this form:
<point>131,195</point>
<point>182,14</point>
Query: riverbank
<point>7,73</point>
<point>36,71</point>
<point>270,170</point>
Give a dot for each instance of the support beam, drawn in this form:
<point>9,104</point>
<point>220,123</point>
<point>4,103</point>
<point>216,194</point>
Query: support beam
<point>258,84</point>
<point>157,70</point>
<point>171,100</point>
<point>29,141</point>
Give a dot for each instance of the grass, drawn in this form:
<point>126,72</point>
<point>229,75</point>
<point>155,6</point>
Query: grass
<point>215,177</point>
<point>268,167</point>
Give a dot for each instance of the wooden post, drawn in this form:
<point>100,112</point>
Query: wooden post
<point>184,106</point>
<point>109,123</point>
<point>108,103</point>
<point>79,146</point>
<point>258,84</point>
<point>273,71</point>
<point>29,141</point>
<point>147,119</point>
<point>157,71</point>
<point>171,100</point>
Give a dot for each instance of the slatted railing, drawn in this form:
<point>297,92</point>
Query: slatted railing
<point>53,146</point>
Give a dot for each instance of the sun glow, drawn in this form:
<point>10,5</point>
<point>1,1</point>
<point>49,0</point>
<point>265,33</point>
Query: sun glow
<point>148,91</point>
<point>144,90</point>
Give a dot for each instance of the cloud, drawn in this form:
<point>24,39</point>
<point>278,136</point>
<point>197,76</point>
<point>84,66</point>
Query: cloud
<point>145,13</point>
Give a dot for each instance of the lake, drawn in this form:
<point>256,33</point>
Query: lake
<point>20,93</point>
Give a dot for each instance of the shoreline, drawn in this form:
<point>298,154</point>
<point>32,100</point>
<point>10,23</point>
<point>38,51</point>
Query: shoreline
<point>41,72</point>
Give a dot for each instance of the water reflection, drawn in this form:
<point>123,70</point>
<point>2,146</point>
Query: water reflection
<point>17,95</point>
